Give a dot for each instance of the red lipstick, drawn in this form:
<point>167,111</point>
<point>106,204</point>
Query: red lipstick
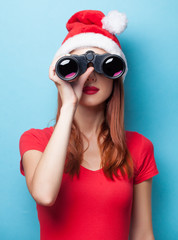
<point>90,90</point>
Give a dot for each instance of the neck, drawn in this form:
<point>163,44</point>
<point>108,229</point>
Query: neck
<point>89,119</point>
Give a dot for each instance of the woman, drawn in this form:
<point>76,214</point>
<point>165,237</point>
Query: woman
<point>90,178</point>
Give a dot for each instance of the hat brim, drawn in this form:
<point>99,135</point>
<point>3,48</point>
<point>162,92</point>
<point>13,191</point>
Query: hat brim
<point>91,40</point>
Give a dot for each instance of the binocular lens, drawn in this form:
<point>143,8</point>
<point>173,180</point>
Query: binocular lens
<point>68,68</point>
<point>113,66</point>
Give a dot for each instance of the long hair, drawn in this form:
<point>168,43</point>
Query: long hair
<point>113,148</point>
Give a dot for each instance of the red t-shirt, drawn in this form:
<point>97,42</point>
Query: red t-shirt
<point>93,206</point>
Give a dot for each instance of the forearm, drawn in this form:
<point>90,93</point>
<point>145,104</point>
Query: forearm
<point>141,237</point>
<point>49,171</point>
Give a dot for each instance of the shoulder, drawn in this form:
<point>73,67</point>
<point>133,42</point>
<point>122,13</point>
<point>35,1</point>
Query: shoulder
<point>142,152</point>
<point>35,139</point>
<point>136,139</point>
<point>138,144</point>
<point>38,133</point>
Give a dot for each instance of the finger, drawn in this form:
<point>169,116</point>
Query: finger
<point>82,79</point>
<point>53,76</point>
<point>53,63</point>
<point>52,68</point>
<point>79,81</point>
<point>88,72</point>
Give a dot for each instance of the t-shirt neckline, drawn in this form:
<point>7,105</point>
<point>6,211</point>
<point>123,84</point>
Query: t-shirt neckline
<point>89,170</point>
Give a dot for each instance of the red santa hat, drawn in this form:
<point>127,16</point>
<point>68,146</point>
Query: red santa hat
<point>91,28</point>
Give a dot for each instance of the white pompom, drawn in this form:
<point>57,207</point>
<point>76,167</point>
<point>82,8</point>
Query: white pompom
<point>115,22</point>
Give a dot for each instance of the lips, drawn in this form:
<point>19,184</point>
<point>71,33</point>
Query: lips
<point>90,88</point>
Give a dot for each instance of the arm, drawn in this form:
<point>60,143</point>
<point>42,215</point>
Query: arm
<point>44,171</point>
<point>141,218</point>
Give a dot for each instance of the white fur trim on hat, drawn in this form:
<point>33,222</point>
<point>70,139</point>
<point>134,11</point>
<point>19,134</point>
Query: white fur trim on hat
<point>115,22</point>
<point>91,40</point>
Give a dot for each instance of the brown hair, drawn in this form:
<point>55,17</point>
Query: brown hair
<point>113,148</point>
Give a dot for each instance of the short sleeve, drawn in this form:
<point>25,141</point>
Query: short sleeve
<point>30,140</point>
<point>146,164</point>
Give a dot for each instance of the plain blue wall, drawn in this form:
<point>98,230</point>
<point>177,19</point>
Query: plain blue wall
<point>31,32</point>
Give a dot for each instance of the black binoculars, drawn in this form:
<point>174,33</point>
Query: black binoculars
<point>110,65</point>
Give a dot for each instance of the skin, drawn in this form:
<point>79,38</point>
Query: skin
<point>141,218</point>
<point>90,111</point>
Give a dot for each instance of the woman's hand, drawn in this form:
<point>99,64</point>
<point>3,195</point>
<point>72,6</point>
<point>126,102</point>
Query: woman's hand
<point>70,92</point>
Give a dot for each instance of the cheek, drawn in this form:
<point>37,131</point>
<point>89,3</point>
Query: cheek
<point>108,87</point>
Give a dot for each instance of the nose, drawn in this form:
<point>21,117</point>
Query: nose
<point>91,78</point>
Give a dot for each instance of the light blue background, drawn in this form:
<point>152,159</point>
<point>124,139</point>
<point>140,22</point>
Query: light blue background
<point>31,32</point>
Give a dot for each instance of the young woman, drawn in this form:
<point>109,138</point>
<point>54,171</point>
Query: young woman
<point>90,178</point>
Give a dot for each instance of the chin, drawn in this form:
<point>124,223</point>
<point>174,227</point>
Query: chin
<point>91,103</point>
